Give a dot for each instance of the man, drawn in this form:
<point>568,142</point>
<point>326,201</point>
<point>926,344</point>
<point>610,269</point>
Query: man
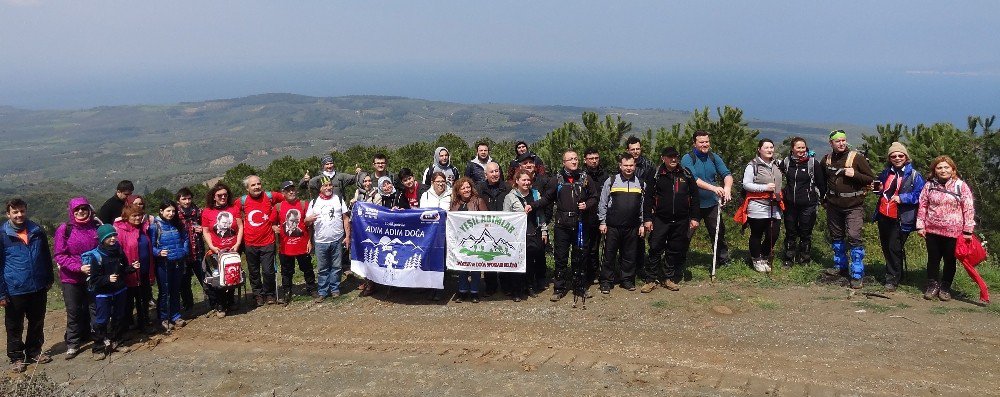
<point>620,216</point>
<point>592,252</point>
<point>848,177</point>
<point>574,193</point>
<point>25,278</point>
<point>328,215</point>
<point>340,179</point>
<point>190,216</point>
<point>258,237</point>
<point>294,244</point>
<point>380,165</point>
<point>494,189</point>
<point>670,219</point>
<point>644,170</point>
<point>707,167</point>
<point>476,169</point>
<point>112,208</point>
<point>441,163</point>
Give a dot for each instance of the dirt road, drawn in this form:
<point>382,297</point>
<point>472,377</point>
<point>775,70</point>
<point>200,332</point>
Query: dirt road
<point>705,340</point>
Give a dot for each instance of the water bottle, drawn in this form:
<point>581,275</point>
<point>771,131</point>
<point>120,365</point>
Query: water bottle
<point>579,233</point>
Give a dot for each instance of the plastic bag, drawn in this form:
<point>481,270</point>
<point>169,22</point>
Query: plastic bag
<point>970,252</point>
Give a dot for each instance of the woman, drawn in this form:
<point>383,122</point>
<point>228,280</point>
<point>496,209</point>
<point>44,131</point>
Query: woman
<point>466,198</point>
<point>364,191</point>
<point>804,178</point>
<point>222,230</point>
<point>170,247</point>
<point>945,213</point>
<point>438,196</point>
<point>387,195</point>
<point>899,187</point>
<point>137,200</point>
<point>762,181</point>
<point>520,197</point>
<point>133,236</point>
<point>73,238</point>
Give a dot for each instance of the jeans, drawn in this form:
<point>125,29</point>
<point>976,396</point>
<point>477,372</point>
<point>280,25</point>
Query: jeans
<point>19,308</point>
<point>168,279</point>
<point>78,302</point>
<point>463,282</point>
<point>328,267</point>
<point>261,258</point>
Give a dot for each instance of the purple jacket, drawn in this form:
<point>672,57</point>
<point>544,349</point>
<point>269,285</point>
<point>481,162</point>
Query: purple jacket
<point>82,237</point>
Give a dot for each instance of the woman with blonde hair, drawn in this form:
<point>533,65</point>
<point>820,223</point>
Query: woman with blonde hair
<point>945,213</point>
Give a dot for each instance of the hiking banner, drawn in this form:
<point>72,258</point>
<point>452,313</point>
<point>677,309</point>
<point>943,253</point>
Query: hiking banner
<point>401,248</point>
<point>488,241</point>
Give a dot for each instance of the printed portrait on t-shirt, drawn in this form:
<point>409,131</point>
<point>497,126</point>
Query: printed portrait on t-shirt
<point>292,228</point>
<point>224,225</point>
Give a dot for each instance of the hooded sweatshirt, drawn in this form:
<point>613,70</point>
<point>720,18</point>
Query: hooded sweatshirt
<point>70,244</point>
<point>449,171</point>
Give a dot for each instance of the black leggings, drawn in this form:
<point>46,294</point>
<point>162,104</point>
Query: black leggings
<point>941,247</point>
<point>763,234</point>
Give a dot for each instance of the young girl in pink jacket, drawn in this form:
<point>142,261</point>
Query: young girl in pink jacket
<point>945,213</point>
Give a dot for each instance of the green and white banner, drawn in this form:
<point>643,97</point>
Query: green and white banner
<point>487,241</point>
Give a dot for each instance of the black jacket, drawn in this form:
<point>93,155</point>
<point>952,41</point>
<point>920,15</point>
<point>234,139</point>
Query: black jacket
<point>493,194</point>
<point>672,196</point>
<point>801,189</point>
<point>569,189</point>
<point>597,176</point>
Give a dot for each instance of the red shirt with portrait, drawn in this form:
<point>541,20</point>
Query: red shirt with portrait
<point>222,225</point>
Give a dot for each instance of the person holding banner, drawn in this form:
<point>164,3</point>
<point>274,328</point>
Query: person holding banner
<point>439,195</point>
<point>521,199</point>
<point>329,216</point>
<point>387,195</point>
<point>466,198</point>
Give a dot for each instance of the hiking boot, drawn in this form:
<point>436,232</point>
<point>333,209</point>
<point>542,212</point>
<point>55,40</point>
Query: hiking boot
<point>367,290</point>
<point>43,358</point>
<point>760,265</point>
<point>648,287</point>
<point>319,299</point>
<point>671,285</point>
<point>98,356</point>
<point>856,283</point>
<point>630,287</point>
<point>932,290</point>
<point>271,300</point>
<point>557,295</point>
<point>459,296</point>
<point>890,287</point>
<point>259,299</point>
<point>835,272</point>
<point>71,353</point>
<point>944,294</point>
<point>475,297</point>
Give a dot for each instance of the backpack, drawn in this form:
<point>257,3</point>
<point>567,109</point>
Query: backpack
<point>848,164</point>
<point>711,155</point>
<point>243,201</point>
<point>957,194</point>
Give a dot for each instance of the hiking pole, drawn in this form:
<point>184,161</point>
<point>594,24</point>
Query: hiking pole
<point>715,243</point>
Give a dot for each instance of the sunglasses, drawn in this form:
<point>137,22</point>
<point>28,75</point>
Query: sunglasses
<point>81,209</point>
<point>898,156</point>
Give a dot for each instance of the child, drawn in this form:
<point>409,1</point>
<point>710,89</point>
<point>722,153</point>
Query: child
<point>106,281</point>
<point>170,247</point>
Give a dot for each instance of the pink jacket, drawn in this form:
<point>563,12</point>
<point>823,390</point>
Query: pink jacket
<point>946,210</point>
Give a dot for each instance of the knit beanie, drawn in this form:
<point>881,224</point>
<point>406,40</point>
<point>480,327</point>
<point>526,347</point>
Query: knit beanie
<point>897,147</point>
<point>105,231</point>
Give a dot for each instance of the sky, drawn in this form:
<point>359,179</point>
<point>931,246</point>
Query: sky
<point>851,61</point>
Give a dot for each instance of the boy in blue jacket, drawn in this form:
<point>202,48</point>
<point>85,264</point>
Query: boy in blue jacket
<point>26,269</point>
<point>106,281</point>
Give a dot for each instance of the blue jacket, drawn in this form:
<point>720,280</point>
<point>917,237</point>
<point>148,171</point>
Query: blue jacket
<point>26,268</point>
<point>709,168</point>
<point>167,237</point>
<point>909,196</point>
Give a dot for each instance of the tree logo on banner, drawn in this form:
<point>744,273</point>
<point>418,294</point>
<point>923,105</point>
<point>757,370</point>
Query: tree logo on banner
<point>485,246</point>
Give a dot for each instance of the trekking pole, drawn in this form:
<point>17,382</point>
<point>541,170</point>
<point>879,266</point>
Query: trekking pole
<point>715,243</point>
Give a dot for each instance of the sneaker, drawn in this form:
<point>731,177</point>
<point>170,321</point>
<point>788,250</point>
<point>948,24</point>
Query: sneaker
<point>557,295</point>
<point>671,285</point>
<point>319,299</point>
<point>167,327</point>
<point>71,353</point>
<point>648,287</point>
<point>475,297</point>
<point>335,294</point>
<point>856,283</point>
<point>932,290</point>
<point>890,287</point>
<point>98,356</point>
<point>944,294</point>
<point>760,265</point>
<point>459,296</point>
<point>220,314</point>
<point>605,289</point>
<point>43,358</point>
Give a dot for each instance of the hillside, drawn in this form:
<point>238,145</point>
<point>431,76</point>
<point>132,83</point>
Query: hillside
<point>189,142</point>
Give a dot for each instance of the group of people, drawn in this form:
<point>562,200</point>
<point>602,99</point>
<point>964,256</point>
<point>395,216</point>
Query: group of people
<point>109,259</point>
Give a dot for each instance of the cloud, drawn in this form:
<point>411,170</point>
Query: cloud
<point>954,73</point>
